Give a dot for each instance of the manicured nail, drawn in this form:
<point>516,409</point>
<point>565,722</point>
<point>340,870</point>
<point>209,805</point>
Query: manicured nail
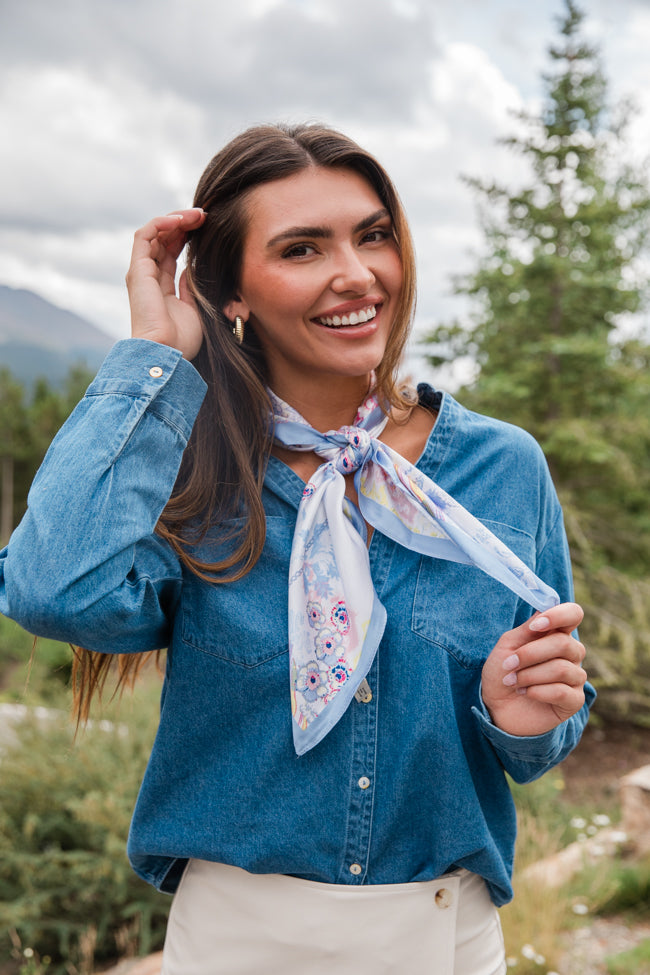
<point>539,623</point>
<point>511,662</point>
<point>510,679</point>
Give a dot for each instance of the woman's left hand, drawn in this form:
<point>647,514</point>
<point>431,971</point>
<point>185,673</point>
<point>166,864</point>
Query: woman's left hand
<point>533,679</point>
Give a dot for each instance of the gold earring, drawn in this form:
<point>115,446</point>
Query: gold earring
<point>238,330</point>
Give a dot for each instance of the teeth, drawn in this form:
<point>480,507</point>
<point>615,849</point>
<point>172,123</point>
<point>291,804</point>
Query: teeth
<point>354,318</point>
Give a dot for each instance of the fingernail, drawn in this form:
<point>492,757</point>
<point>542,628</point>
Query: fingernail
<point>511,662</point>
<point>539,623</point>
<point>510,679</point>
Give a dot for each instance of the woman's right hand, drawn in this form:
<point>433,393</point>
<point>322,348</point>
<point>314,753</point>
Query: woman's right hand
<point>157,312</point>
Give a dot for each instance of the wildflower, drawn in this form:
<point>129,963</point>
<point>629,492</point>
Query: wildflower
<point>580,909</point>
<point>600,820</point>
<point>528,952</point>
<point>578,822</point>
<point>511,962</point>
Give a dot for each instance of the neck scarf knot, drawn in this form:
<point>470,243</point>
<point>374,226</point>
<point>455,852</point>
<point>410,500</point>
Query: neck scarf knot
<point>336,620</point>
<point>350,446</point>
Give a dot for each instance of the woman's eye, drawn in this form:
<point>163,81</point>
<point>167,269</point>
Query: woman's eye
<point>299,250</point>
<point>375,236</point>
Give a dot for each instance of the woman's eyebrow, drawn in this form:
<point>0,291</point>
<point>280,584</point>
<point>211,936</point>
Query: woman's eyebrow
<point>373,218</point>
<point>293,232</point>
<point>325,232</point>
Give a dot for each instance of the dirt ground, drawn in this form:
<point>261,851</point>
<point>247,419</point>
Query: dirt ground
<point>591,779</point>
<point>603,757</point>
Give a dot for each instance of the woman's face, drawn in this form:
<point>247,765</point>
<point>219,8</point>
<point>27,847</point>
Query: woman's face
<point>321,277</point>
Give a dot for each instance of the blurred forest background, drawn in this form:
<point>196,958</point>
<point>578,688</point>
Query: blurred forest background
<point>560,345</point>
<point>557,343</point>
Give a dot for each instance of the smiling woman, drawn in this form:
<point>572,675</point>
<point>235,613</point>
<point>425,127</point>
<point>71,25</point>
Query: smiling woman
<point>321,299</point>
<point>353,658</point>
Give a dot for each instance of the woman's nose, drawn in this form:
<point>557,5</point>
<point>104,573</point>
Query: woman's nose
<point>352,273</point>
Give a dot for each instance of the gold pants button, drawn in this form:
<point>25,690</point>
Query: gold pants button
<point>443,898</point>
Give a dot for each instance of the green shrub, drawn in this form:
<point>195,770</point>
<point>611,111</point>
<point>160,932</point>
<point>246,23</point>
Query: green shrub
<point>66,888</point>
<point>634,962</point>
<point>615,886</point>
<point>44,669</point>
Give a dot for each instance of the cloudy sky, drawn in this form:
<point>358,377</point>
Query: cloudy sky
<point>110,109</point>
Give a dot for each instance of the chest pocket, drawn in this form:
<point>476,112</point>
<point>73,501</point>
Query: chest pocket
<point>462,609</point>
<point>245,622</point>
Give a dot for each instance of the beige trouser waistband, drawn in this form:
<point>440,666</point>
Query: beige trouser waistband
<point>225,921</point>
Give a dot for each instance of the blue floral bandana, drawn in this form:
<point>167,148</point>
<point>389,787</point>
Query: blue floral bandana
<point>336,620</point>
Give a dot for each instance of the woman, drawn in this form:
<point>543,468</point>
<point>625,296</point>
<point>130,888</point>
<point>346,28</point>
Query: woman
<point>327,785</point>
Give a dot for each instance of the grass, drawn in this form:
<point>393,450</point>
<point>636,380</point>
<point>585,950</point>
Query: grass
<point>538,922</point>
<point>533,920</point>
<point>634,962</point>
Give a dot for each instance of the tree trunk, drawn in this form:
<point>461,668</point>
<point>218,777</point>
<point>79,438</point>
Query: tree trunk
<point>7,502</point>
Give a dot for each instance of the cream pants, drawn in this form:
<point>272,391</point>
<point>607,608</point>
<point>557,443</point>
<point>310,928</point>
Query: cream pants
<point>225,921</point>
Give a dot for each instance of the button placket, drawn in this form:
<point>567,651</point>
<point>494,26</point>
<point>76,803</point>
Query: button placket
<point>363,714</point>
<point>363,770</point>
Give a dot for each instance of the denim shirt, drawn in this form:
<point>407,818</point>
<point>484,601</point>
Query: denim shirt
<point>411,782</point>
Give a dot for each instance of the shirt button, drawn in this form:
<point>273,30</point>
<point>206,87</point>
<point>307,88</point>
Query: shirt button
<point>355,868</point>
<point>363,693</point>
<point>364,782</point>
<point>155,372</point>
<point>443,898</point>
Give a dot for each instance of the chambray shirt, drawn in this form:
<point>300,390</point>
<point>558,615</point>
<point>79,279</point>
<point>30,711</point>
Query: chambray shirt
<point>411,782</point>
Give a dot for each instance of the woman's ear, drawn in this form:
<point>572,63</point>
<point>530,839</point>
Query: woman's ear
<point>236,307</point>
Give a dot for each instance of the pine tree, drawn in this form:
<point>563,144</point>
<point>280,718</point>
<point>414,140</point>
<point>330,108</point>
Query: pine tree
<point>28,423</point>
<point>14,436</point>
<point>559,276</point>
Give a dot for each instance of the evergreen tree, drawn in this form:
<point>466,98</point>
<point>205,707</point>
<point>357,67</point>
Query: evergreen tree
<point>559,274</point>
<point>27,427</point>
<point>13,446</point>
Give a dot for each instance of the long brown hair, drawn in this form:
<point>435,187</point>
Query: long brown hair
<point>223,466</point>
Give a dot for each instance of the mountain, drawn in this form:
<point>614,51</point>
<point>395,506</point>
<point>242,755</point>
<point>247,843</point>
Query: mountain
<point>38,338</point>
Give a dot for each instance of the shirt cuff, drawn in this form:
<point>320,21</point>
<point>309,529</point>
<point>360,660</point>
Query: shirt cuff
<point>542,749</point>
<point>156,373</point>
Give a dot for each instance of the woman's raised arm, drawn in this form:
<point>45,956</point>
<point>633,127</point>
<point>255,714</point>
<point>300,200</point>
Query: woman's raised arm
<point>157,312</point>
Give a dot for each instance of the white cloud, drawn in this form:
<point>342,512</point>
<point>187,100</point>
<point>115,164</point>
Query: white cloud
<point>109,112</point>
<point>81,152</point>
